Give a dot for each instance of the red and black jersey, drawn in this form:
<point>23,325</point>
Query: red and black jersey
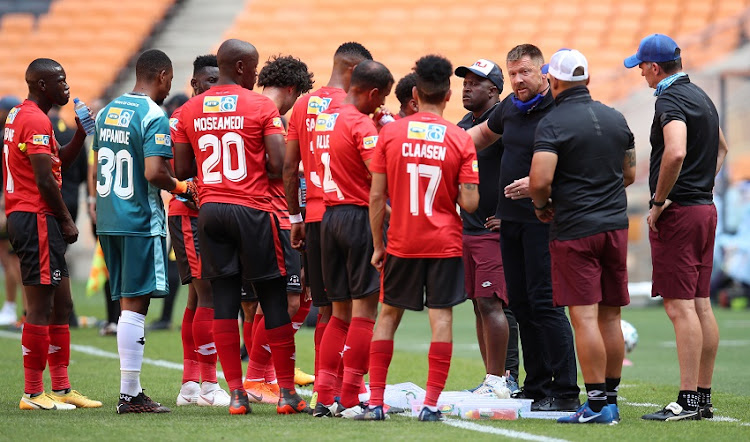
<point>177,207</point>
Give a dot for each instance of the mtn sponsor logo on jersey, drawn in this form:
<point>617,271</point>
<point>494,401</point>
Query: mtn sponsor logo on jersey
<point>419,130</point>
<point>12,115</point>
<point>173,123</point>
<point>475,166</point>
<point>277,122</point>
<point>317,105</point>
<point>326,122</point>
<point>370,142</point>
<point>163,139</point>
<point>216,104</point>
<point>40,140</point>
<point>119,117</point>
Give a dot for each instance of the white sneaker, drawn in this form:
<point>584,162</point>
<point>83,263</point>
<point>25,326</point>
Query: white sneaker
<point>188,393</point>
<point>8,314</point>
<point>493,386</point>
<point>358,409</point>
<point>211,395</point>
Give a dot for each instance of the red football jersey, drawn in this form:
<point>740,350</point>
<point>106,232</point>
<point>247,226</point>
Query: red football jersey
<point>301,127</point>
<point>344,139</point>
<point>226,125</point>
<point>177,207</point>
<point>28,130</point>
<point>425,158</point>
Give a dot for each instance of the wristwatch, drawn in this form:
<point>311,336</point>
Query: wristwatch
<point>653,203</point>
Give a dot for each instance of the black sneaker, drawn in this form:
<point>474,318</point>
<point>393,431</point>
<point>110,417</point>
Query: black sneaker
<point>371,414</point>
<point>239,403</point>
<point>673,412</point>
<point>139,404</point>
<point>556,404</point>
<point>292,403</point>
<point>706,411</point>
<point>333,410</point>
<point>427,415</point>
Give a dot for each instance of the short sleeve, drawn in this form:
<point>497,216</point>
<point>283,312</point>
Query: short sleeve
<point>366,138</point>
<point>38,136</point>
<point>157,142</point>
<point>545,139</point>
<point>177,128</point>
<point>469,171</point>
<point>377,163</point>
<point>296,122</point>
<point>270,119</point>
<point>668,110</point>
<point>495,120</point>
<point>95,138</point>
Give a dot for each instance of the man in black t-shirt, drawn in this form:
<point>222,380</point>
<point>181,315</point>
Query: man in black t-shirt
<point>546,336</point>
<point>584,156</point>
<point>483,264</point>
<point>687,151</point>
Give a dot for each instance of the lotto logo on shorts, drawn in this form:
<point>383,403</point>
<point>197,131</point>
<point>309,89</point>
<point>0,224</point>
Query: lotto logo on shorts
<point>475,166</point>
<point>277,122</point>
<point>119,117</point>
<point>213,105</point>
<point>173,123</point>
<point>370,142</point>
<point>12,115</point>
<point>40,140</point>
<point>163,139</point>
<point>419,130</point>
<point>325,122</point>
<point>317,105</point>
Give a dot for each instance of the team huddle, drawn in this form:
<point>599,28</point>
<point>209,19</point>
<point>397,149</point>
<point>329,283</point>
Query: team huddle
<point>354,210</point>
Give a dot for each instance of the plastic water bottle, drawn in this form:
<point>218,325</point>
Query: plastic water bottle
<point>82,112</point>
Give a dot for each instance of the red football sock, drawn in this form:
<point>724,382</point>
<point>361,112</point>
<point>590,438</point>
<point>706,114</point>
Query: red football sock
<point>320,328</point>
<point>270,374</point>
<point>205,347</point>
<point>35,346</point>
<point>304,308</point>
<point>356,359</point>
<point>439,363</point>
<point>381,353</point>
<point>59,356</point>
<point>281,340</point>
<point>190,366</point>
<point>260,353</point>
<point>339,380</point>
<point>227,339</point>
<point>331,347</point>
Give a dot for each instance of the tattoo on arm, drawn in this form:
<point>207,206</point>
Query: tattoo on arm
<point>469,186</point>
<point>630,155</point>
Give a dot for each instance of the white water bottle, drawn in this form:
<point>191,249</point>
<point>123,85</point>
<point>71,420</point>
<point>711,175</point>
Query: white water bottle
<point>83,114</point>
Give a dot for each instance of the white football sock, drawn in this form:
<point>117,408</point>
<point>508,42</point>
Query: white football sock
<point>130,343</point>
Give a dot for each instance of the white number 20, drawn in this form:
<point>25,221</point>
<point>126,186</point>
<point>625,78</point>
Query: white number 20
<point>221,152</point>
<point>415,172</point>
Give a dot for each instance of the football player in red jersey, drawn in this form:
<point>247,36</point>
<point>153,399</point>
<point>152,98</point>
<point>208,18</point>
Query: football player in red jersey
<point>234,138</point>
<point>284,79</point>
<point>345,140</point>
<point>408,104</point>
<point>40,228</point>
<point>426,165</point>
<point>300,147</point>
<point>198,347</point>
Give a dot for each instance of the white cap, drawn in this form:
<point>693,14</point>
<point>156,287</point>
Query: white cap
<point>564,62</point>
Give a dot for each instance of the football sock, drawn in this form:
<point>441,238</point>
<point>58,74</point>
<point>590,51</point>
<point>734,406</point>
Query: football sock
<point>247,335</point>
<point>130,343</point>
<point>190,367</point>
<point>299,318</point>
<point>331,347</point>
<point>688,399</point>
<point>597,396</point>
<point>439,358</point>
<point>260,353</point>
<point>613,386</point>
<point>281,340</point>
<point>320,328</point>
<point>339,379</point>
<point>356,359</point>
<point>205,347</point>
<point>227,339</point>
<point>381,353</point>
<point>704,396</point>
<point>270,374</point>
<point>59,356</point>
<point>35,346</point>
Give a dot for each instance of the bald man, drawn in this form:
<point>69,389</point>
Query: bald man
<point>40,227</point>
<point>232,138</point>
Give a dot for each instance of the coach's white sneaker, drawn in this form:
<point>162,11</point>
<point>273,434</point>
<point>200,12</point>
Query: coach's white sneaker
<point>189,393</point>
<point>211,395</point>
<point>495,386</point>
<point>8,314</point>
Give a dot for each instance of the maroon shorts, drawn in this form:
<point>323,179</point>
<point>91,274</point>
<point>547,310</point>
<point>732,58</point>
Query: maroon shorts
<point>483,267</point>
<point>682,252</point>
<point>591,270</point>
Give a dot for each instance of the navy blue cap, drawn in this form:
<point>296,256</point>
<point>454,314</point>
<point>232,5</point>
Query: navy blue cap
<point>656,48</point>
<point>8,102</point>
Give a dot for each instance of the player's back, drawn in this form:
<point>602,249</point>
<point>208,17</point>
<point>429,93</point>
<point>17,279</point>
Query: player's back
<point>226,126</point>
<point>425,158</point>
<point>129,129</point>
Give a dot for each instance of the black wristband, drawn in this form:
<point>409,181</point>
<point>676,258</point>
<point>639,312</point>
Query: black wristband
<point>653,203</point>
<point>544,207</point>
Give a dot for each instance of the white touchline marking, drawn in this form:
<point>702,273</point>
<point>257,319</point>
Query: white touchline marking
<point>499,431</point>
<point>723,419</point>
<point>643,404</point>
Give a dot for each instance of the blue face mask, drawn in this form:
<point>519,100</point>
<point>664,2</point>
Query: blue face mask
<point>526,106</point>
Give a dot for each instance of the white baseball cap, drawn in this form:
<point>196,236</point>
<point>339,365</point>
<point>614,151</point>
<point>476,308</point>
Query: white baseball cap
<point>564,62</point>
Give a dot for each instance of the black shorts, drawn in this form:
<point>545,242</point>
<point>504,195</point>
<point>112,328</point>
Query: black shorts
<point>293,263</point>
<point>239,240</point>
<point>347,250</point>
<point>412,283</point>
<point>183,230</point>
<point>314,266</point>
<point>39,244</point>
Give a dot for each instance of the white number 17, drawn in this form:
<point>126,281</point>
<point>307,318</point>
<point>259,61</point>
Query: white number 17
<point>415,172</point>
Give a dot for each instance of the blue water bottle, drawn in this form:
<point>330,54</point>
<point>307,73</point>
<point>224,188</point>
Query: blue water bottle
<point>82,112</point>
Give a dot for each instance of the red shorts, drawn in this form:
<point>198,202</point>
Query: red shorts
<point>591,270</point>
<point>483,267</point>
<point>184,232</point>
<point>682,252</point>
